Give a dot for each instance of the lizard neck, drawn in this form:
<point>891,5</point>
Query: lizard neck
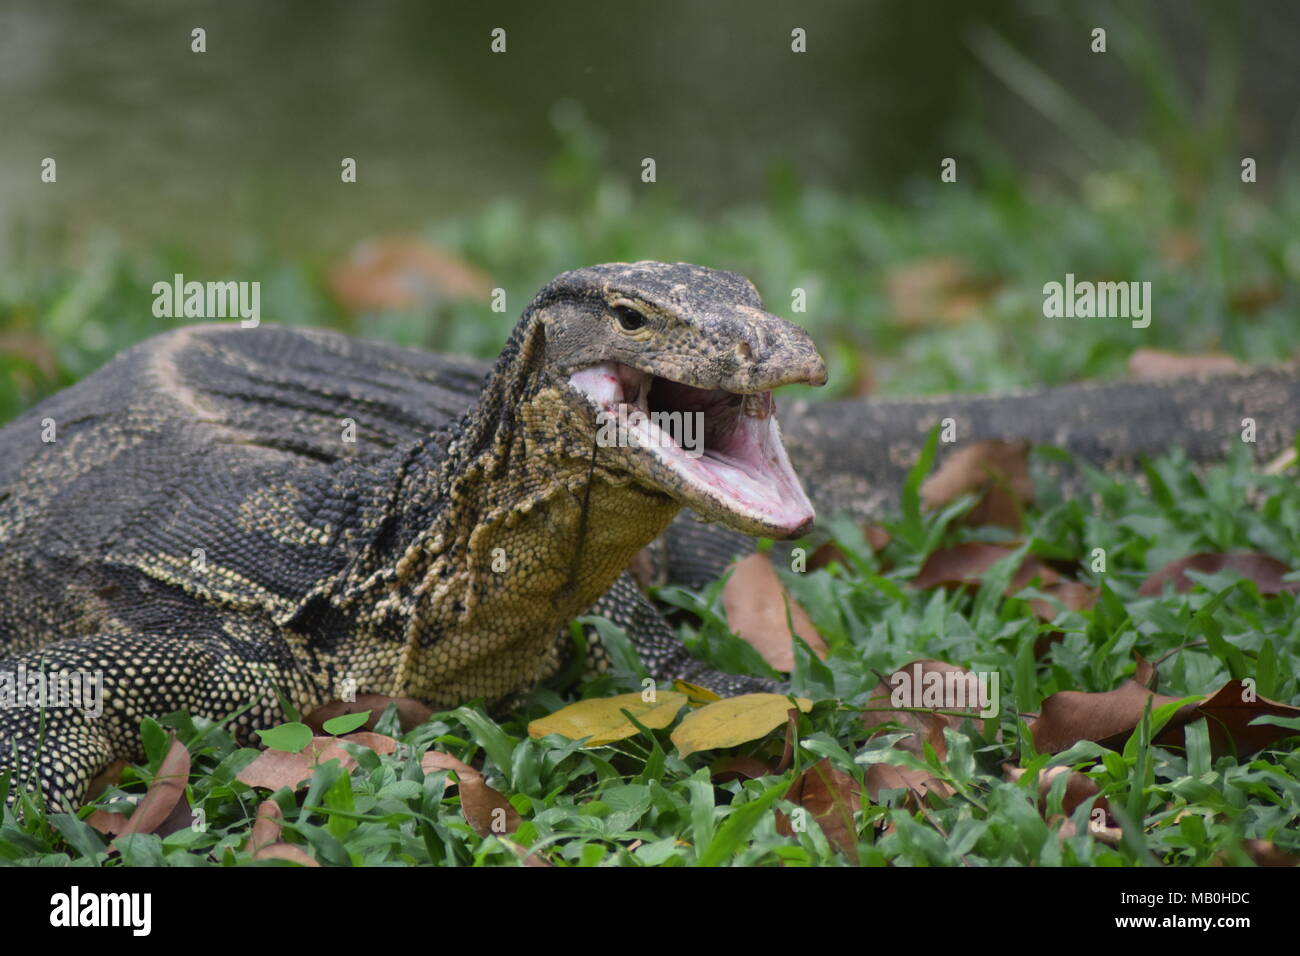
<point>494,544</point>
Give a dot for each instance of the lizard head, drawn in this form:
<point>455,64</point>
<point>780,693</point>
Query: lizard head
<point>671,368</point>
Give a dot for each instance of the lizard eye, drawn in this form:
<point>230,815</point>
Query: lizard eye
<point>629,319</point>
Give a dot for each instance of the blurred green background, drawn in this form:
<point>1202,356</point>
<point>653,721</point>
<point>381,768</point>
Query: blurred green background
<point>816,171</point>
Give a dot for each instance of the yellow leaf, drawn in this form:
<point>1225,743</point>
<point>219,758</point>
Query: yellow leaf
<point>601,720</point>
<point>733,721</point>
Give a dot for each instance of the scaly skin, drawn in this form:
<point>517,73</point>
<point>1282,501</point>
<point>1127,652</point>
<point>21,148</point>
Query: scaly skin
<point>202,536</point>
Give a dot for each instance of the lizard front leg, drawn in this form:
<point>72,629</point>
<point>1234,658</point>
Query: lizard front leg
<point>71,708</point>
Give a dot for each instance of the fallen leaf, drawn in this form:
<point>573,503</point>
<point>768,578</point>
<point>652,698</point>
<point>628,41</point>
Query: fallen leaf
<point>738,767</point>
<point>1153,365</point>
<point>1073,595</point>
<point>410,713</point>
<point>733,721</point>
<point>1265,571</point>
<point>435,760</point>
<point>755,602</point>
<point>938,290</point>
<point>1229,712</point>
<point>109,822</point>
<point>267,826</point>
<point>486,810</point>
<point>1255,297</point>
<point>404,273</point>
<point>285,851</point>
<point>1079,787</point>
<point>876,537</point>
<point>926,727</point>
<point>918,783</point>
<point>602,718</point>
<point>831,797</point>
<point>1263,853</point>
<point>1108,718</point>
<point>106,778</point>
<point>273,769</point>
<point>995,471</point>
<point>1180,247</point>
<point>164,792</point>
<point>963,565</point>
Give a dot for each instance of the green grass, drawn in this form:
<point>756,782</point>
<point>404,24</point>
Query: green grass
<point>67,304</point>
<point>591,807</point>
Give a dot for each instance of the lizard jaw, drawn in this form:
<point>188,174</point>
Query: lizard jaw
<point>716,451</point>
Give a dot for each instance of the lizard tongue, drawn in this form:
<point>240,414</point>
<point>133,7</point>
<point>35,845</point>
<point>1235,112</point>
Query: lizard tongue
<point>722,450</point>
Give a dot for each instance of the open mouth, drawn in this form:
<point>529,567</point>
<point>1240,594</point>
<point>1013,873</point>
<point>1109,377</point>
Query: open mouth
<point>722,449</point>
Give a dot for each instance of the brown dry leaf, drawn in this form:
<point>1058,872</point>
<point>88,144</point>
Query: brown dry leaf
<point>273,769</point>
<point>410,713</point>
<point>1108,718</point>
<point>108,822</point>
<point>738,767</point>
<point>755,603</point>
<point>825,555</point>
<point>1265,571</point>
<point>404,273</point>
<point>1229,711</point>
<point>996,471</point>
<point>164,794</point>
<point>963,565</point>
<point>1256,297</point>
<point>379,743</point>
<point>1153,365</point>
<point>1263,853</point>
<point>919,783</point>
<point>1078,788</point>
<point>267,826</point>
<point>486,810</point>
<point>831,796</point>
<point>1180,247</point>
<point>31,347</point>
<point>876,538</point>
<point>1074,595</point>
<point>925,727</point>
<point>919,675</point>
<point>1110,835</point>
<point>435,760</point>
<point>285,851</point>
<point>938,290</point>
<point>106,778</point>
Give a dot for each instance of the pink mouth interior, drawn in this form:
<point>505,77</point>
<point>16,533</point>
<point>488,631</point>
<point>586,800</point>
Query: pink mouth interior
<point>742,465</point>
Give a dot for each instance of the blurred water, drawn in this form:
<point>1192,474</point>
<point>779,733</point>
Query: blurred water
<point>154,141</point>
